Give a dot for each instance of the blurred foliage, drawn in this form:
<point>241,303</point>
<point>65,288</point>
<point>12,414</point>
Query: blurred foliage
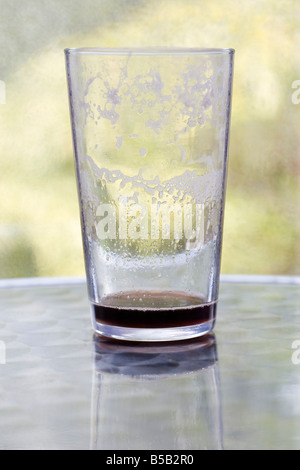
<point>39,225</point>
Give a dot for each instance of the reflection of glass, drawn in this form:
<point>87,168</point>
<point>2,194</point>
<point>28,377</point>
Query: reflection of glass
<point>156,397</point>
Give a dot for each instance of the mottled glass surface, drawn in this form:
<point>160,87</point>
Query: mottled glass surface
<point>62,388</point>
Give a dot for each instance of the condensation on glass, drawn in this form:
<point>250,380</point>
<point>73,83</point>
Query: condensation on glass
<point>150,131</point>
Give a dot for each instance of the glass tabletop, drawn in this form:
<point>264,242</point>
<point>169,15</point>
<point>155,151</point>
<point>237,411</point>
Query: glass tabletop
<point>61,387</point>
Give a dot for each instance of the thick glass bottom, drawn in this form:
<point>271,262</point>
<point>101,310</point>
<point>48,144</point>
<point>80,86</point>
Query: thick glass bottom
<point>153,334</point>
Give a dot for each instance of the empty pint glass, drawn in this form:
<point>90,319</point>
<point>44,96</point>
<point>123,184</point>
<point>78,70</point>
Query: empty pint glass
<point>150,131</point>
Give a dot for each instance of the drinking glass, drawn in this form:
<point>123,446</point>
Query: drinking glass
<point>150,133</point>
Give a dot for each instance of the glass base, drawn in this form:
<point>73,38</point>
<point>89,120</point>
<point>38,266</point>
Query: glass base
<point>153,334</point>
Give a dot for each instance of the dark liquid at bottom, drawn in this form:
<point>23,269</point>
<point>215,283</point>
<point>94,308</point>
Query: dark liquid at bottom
<point>158,309</point>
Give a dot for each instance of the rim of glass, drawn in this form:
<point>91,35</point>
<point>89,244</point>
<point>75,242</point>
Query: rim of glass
<point>148,51</point>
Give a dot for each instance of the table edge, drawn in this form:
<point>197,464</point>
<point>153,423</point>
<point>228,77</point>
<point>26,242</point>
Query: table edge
<point>74,280</point>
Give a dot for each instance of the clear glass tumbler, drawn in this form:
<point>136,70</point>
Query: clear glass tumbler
<point>150,132</point>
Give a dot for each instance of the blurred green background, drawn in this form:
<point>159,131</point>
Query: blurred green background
<point>39,223</point>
